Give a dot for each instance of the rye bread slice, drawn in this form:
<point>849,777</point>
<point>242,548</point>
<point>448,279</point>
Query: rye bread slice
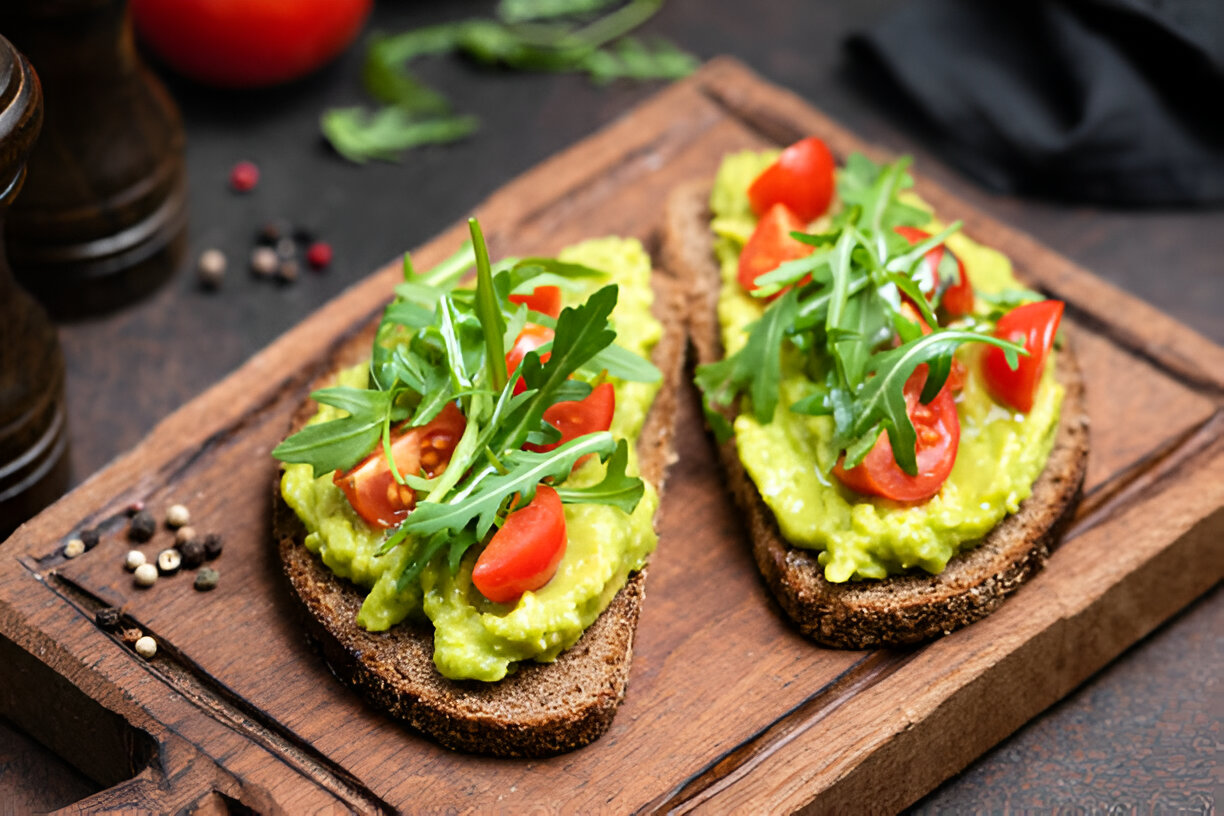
<point>540,709</point>
<point>902,609</point>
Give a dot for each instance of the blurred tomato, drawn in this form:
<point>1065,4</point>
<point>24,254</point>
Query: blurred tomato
<point>248,43</point>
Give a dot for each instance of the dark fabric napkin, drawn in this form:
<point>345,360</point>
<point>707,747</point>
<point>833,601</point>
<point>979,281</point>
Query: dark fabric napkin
<point>1107,101</point>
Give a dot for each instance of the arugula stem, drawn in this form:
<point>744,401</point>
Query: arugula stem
<point>618,23</point>
<point>488,309</point>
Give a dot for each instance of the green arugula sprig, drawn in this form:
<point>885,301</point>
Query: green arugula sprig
<point>527,35</point>
<point>841,311</point>
<point>438,344</point>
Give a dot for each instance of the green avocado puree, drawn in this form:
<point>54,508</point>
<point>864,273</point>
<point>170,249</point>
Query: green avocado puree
<point>1001,452</point>
<point>475,638</point>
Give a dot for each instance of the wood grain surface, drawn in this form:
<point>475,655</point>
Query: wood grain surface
<point>728,708</point>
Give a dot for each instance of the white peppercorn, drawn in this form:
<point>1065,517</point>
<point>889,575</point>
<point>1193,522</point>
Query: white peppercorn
<point>146,647</point>
<point>210,268</point>
<point>73,548</point>
<point>184,534</point>
<point>146,575</point>
<point>177,515</point>
<point>264,261</point>
<point>169,561</point>
<point>135,558</point>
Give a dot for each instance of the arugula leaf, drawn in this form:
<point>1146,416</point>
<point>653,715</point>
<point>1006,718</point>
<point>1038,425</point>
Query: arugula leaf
<point>359,135</point>
<point>492,324</point>
<point>617,488</point>
<point>340,443</point>
<point>521,11</point>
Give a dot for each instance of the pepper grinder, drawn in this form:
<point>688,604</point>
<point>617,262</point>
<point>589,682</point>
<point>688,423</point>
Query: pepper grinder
<point>33,424</point>
<point>102,221</point>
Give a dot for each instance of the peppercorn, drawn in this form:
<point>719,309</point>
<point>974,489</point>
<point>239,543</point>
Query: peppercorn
<point>210,268</point>
<point>184,534</point>
<point>319,255</point>
<point>213,544</point>
<point>146,647</point>
<point>135,507</point>
<point>177,516</point>
<point>134,559</point>
<point>193,552</point>
<point>243,177</point>
<point>142,527</point>
<point>169,561</point>
<point>272,231</point>
<point>146,575</point>
<point>288,271</point>
<point>286,248</point>
<point>264,261</point>
<point>303,235</point>
<point>73,548</point>
<point>108,617</point>
<point>89,536</point>
<point>131,635</point>
<point>207,579</point>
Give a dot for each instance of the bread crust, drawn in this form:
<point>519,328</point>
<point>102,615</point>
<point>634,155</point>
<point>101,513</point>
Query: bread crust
<point>542,708</point>
<point>902,609</point>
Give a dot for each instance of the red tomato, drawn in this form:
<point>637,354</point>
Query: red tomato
<point>543,299</point>
<point>580,417</point>
<point>371,488</point>
<point>938,429</point>
<point>523,555</point>
<point>1034,325</point>
<point>801,178</point>
<point>530,338</point>
<point>957,298</point>
<point>771,245</point>
<point>248,43</point>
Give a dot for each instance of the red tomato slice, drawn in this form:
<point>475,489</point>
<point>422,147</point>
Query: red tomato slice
<point>771,245</point>
<point>957,298</point>
<point>523,555</point>
<point>1034,325</point>
<point>580,417</point>
<point>801,178</point>
<point>529,339</point>
<point>543,299</point>
<point>938,430</point>
<point>371,488</point>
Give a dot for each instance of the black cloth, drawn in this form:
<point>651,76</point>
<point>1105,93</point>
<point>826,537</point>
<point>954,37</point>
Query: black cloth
<point>1107,101</point>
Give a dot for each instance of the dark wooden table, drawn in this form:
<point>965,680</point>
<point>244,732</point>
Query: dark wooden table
<point>1139,736</point>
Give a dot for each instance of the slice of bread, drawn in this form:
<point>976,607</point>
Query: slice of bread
<point>903,609</point>
<point>540,709</point>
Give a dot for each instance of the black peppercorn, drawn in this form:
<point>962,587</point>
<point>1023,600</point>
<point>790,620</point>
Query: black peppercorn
<point>212,545</point>
<point>89,537</point>
<point>193,552</point>
<point>142,527</point>
<point>108,617</point>
<point>272,231</point>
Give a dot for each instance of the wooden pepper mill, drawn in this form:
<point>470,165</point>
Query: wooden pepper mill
<point>33,423</point>
<point>103,217</point>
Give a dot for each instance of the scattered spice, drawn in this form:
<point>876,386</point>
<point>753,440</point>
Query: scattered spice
<point>90,537</point>
<point>108,618</point>
<point>207,579</point>
<point>210,268</point>
<point>134,559</point>
<point>135,507</point>
<point>131,635</point>
<point>193,552</point>
<point>213,544</point>
<point>177,516</point>
<point>286,248</point>
<point>319,255</point>
<point>142,527</point>
<point>169,561</point>
<point>288,271</point>
<point>243,177</point>
<point>146,647</point>
<point>146,575</point>
<point>272,231</point>
<point>74,547</point>
<point>184,534</point>
<point>264,261</point>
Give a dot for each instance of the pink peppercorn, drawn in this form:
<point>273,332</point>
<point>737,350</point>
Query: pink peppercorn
<point>319,255</point>
<point>243,177</point>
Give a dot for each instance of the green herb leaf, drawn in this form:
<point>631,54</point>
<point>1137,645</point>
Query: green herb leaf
<point>340,443</point>
<point>489,310</point>
<point>617,488</point>
<point>359,135</point>
<point>521,11</point>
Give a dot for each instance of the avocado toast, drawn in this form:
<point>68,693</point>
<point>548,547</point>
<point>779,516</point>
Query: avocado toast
<point>916,600</point>
<point>534,708</point>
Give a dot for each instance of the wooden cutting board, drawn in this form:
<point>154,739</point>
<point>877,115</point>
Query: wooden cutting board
<point>728,708</point>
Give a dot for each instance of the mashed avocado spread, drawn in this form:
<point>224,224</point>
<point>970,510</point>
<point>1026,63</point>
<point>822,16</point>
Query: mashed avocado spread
<point>475,638</point>
<point>1001,452</point>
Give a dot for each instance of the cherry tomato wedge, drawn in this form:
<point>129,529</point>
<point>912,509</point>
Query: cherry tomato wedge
<point>529,339</point>
<point>543,299</point>
<point>771,244</point>
<point>428,448</point>
<point>957,298</point>
<point>938,429</point>
<point>1034,325</point>
<point>523,555</point>
<point>801,178</point>
<point>580,417</point>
